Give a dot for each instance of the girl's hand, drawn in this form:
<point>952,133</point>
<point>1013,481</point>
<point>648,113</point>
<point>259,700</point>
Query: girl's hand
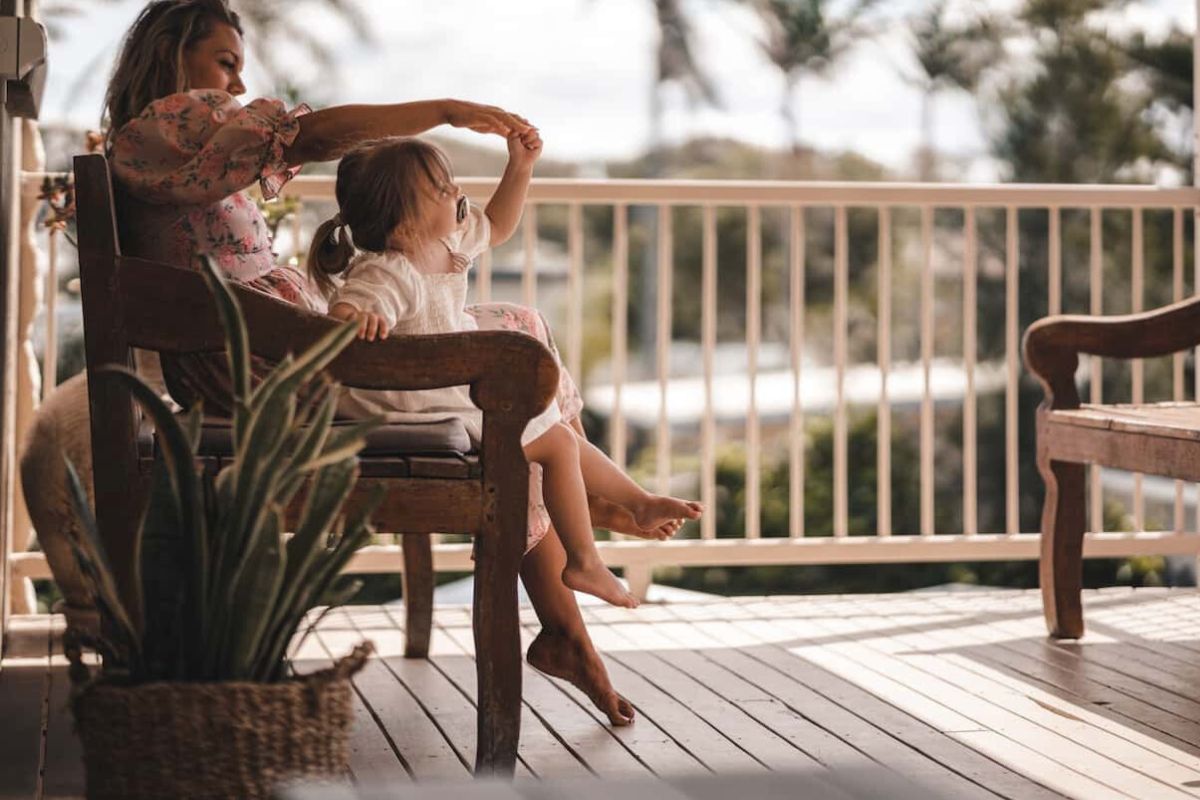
<point>524,149</point>
<point>370,326</point>
<point>485,119</point>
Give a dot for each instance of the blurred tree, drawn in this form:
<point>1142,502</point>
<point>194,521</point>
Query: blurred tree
<point>676,64</point>
<point>1166,65</point>
<point>949,56</point>
<point>804,38</point>
<point>1071,120</point>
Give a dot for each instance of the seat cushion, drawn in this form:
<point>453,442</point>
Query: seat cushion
<point>441,436</point>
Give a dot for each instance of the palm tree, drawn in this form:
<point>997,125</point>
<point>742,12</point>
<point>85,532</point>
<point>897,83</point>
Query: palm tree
<point>677,63</point>
<point>803,38</point>
<point>949,57</point>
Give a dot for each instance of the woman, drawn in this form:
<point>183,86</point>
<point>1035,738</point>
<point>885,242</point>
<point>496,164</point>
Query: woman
<point>182,150</point>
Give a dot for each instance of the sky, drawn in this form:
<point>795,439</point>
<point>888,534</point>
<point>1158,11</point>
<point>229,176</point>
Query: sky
<point>582,70</point>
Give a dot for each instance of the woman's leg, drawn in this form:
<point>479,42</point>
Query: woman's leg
<point>557,451</point>
<point>563,648</point>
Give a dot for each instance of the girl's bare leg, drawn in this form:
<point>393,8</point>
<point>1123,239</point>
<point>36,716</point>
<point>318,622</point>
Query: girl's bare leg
<point>563,647</point>
<point>558,451</point>
<point>653,514</point>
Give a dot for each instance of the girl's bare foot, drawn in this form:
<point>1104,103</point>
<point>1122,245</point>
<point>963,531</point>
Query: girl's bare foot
<point>612,517</point>
<point>657,509</point>
<point>577,663</point>
<point>595,579</point>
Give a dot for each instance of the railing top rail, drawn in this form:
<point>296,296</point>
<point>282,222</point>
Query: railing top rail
<point>815,193</point>
<point>804,193</point>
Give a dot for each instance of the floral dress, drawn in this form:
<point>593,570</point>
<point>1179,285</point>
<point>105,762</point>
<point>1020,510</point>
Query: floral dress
<point>182,168</point>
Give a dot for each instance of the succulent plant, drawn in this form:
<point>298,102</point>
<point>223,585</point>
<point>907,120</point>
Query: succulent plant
<point>221,590</point>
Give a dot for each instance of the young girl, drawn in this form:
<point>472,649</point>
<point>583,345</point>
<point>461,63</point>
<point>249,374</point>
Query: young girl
<point>401,205</point>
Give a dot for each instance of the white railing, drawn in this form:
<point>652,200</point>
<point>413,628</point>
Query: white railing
<point>883,381</point>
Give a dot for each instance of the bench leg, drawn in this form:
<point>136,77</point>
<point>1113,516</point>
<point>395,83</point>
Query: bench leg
<point>498,651</point>
<point>418,593</point>
<point>1061,567</point>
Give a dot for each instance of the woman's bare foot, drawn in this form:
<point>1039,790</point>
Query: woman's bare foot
<point>595,579</point>
<point>657,509</point>
<point>612,517</point>
<point>578,664</point>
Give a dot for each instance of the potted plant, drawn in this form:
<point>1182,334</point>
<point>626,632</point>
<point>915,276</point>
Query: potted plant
<point>194,696</point>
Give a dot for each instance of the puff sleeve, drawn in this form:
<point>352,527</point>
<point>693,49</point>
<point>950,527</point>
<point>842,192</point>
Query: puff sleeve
<point>197,147</point>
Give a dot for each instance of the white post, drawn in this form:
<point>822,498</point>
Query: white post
<point>28,382</point>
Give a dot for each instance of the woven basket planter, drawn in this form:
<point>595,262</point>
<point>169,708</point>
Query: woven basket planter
<point>215,740</point>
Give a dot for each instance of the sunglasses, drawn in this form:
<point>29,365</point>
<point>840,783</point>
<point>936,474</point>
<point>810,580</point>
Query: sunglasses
<point>460,210</point>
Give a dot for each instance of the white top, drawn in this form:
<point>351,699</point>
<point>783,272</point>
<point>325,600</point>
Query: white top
<point>414,302</point>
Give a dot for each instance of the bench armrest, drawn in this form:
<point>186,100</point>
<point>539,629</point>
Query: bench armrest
<point>170,309</point>
<point>1053,344</point>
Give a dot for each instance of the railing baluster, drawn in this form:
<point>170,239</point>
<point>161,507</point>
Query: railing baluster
<point>883,450</point>
<point>840,292</point>
<point>1054,301</point>
<point>970,420</point>
<point>620,325</point>
<point>1012,362</point>
<point>50,357</point>
<point>708,300</point>
<point>575,290</point>
<point>483,281</point>
<point>1137,374</point>
<point>1096,395</point>
<point>529,243</point>
<point>664,290</point>
<point>753,334</point>
<point>796,237</point>
<point>926,424</point>
<point>1177,359</point>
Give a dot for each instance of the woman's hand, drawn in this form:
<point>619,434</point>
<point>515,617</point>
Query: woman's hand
<point>485,119</point>
<point>370,326</point>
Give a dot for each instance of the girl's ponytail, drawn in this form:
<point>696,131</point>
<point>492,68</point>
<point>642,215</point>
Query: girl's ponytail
<point>329,254</point>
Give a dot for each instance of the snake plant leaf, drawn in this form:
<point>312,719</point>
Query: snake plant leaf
<point>256,595</point>
<point>179,460</point>
<point>93,562</point>
<point>164,567</point>
<point>237,338</point>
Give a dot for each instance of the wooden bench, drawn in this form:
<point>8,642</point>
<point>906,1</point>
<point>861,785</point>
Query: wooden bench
<point>1154,438</point>
<point>431,485</point>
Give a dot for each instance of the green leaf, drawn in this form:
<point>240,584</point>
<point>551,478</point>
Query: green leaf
<point>237,338</point>
<point>180,462</point>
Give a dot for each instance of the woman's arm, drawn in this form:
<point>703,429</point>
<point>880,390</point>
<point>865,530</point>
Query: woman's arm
<point>328,133</point>
<point>504,209</point>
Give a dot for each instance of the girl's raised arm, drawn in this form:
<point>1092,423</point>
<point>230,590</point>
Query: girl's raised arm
<point>504,209</point>
<point>328,133</point>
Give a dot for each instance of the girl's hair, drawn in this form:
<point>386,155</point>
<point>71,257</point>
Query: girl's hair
<point>151,65</point>
<point>380,186</point>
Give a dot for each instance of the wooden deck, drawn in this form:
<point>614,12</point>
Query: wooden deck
<point>960,691</point>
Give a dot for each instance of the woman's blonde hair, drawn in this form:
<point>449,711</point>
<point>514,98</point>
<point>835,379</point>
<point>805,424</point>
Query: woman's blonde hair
<point>379,189</point>
<point>150,64</point>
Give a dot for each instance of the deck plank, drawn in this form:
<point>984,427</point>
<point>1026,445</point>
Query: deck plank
<point>663,663</point>
<point>961,692</point>
<point>588,739</point>
<point>24,688</point>
<point>62,773</point>
<point>425,749</point>
<point>889,654</point>
<point>947,661</point>
<point>767,665</point>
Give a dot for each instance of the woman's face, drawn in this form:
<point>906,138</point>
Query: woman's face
<point>215,62</point>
